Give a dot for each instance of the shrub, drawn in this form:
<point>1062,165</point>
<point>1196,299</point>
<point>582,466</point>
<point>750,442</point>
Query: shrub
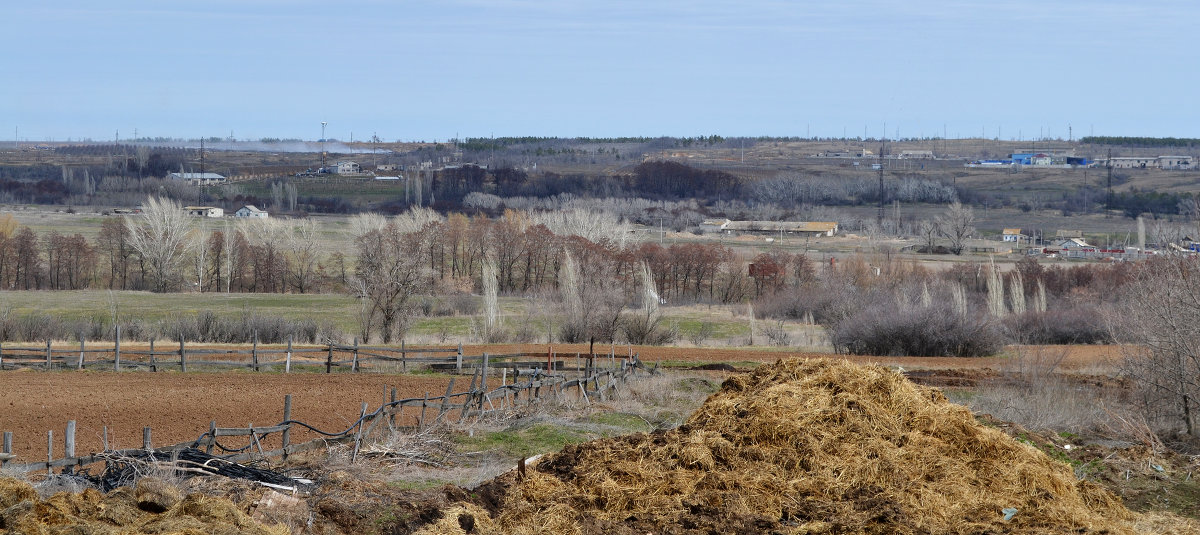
<point>1074,324</point>
<point>884,328</point>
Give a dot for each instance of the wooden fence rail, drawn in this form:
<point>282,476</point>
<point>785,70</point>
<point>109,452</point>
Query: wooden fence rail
<point>478,400</point>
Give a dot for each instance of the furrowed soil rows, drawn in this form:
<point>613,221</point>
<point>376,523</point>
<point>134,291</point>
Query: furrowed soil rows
<point>180,406</point>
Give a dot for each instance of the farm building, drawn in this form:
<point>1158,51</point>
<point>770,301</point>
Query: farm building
<point>1073,243</point>
<point>1156,162</point>
<point>250,211</point>
<point>714,225</point>
<point>197,178</point>
<point>1013,234</point>
<point>348,168</point>
<point>916,155</point>
<point>205,211</point>
<point>386,167</point>
<point>808,228</point>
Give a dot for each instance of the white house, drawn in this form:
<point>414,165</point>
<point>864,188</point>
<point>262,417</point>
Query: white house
<point>1013,234</point>
<point>250,211</point>
<point>348,168</point>
<point>205,211</point>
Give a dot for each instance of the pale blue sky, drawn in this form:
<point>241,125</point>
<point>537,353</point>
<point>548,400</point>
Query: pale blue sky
<point>425,70</point>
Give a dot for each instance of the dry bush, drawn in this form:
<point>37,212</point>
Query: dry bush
<point>884,327</point>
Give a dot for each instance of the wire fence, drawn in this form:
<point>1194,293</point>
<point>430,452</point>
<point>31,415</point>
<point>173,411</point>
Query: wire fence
<point>595,377</point>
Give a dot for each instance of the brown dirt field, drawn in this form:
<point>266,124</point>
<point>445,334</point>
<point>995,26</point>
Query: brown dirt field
<point>180,406</point>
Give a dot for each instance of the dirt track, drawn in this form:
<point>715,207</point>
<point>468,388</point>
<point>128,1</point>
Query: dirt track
<point>180,406</point>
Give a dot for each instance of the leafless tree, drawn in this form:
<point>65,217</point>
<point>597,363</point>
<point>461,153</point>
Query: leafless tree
<point>957,225</point>
<point>390,272</point>
<point>1162,309</point>
<point>160,236</point>
<point>300,238</point>
<point>929,232</point>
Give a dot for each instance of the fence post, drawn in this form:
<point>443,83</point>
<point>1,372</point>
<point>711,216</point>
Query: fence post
<point>392,418</point>
<point>1,355</point>
<point>182,355</point>
<point>6,449</point>
<point>424,403</point>
<point>254,352</point>
<point>146,438</point>
<point>117,349</point>
<point>287,362</point>
<point>49,451</point>
<point>403,358</point>
<point>458,360</point>
<point>354,357</point>
<point>153,361</point>
<point>69,442</point>
<point>287,419</point>
<point>212,436</point>
<point>49,363</point>
<point>329,359</point>
<point>483,374</point>
<point>104,438</point>
<point>80,365</point>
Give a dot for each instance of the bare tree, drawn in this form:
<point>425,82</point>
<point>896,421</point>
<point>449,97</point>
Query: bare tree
<point>957,225</point>
<point>1162,309</point>
<point>390,272</point>
<point>929,232</point>
<point>300,238</point>
<point>160,236</point>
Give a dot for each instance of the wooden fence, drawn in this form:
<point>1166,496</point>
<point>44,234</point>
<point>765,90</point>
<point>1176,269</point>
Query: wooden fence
<point>598,377</point>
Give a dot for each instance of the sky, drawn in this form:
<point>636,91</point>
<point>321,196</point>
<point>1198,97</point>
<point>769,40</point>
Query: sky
<point>434,70</point>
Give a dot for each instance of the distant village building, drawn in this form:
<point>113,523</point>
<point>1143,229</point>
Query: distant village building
<point>1147,162</point>
<point>204,211</point>
<point>846,153</point>
<point>250,211</point>
<point>1013,235</point>
<point>386,167</point>
<point>199,179</point>
<point>916,155</point>
<point>348,168</point>
<point>775,228</point>
<point>714,225</point>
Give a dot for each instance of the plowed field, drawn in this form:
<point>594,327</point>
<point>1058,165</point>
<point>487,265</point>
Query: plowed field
<point>178,407</point>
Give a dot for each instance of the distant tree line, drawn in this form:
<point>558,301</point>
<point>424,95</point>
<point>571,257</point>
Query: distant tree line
<point>1136,141</point>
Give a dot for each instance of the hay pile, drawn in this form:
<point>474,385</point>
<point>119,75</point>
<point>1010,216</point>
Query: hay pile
<point>820,446</point>
<point>153,507</point>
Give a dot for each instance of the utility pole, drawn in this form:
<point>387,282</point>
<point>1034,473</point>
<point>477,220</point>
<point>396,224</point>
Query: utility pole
<point>1108,164</point>
<point>323,123</point>
<point>881,146</point>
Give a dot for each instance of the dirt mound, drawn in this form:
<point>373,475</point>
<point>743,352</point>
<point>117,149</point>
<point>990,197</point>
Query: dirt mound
<point>818,446</point>
<point>121,511</point>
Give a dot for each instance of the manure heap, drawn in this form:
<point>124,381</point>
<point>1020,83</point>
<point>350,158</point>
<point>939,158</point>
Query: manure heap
<point>817,446</point>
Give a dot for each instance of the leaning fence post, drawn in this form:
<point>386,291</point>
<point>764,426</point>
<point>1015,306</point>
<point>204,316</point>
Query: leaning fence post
<point>354,357</point>
<point>69,440</point>
<point>483,374</point>
<point>392,418</point>
<point>117,349</point>
<point>287,362</point>
<point>287,422</point>
<point>182,355</point>
<point>212,436</point>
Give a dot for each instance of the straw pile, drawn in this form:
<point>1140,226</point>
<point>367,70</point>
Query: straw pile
<point>125,510</point>
<point>820,446</point>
